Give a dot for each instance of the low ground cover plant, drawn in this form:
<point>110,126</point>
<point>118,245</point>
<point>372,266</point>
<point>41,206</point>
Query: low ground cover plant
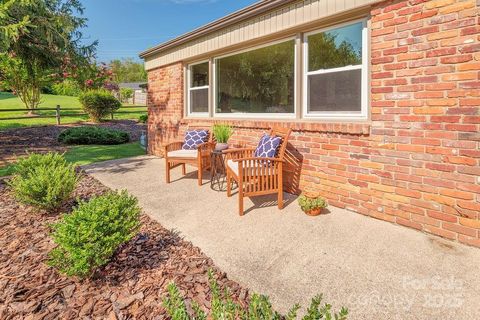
<point>259,308</point>
<point>93,135</point>
<point>143,118</point>
<point>43,180</point>
<point>98,104</point>
<point>88,237</point>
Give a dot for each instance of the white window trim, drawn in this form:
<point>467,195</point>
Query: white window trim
<point>363,114</point>
<point>256,115</point>
<point>189,89</point>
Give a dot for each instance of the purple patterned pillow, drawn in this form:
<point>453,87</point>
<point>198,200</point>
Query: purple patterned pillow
<point>268,146</point>
<point>194,138</point>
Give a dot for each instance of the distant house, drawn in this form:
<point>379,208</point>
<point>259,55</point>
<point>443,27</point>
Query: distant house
<point>139,92</point>
<point>383,98</point>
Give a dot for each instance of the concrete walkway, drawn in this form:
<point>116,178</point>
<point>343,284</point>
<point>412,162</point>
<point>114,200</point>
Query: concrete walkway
<point>376,269</point>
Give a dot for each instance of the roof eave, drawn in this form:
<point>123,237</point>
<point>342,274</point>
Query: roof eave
<point>235,17</point>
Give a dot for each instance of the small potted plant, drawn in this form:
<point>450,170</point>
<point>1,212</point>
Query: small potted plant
<point>222,133</point>
<point>312,205</point>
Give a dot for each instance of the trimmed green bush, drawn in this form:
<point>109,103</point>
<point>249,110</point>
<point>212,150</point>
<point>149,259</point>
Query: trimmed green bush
<point>259,308</point>
<point>98,104</point>
<point>88,237</point>
<point>143,118</point>
<point>93,135</point>
<point>43,180</point>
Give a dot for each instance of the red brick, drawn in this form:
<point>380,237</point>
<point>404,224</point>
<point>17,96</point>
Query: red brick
<point>460,229</point>
<point>457,59</point>
<point>426,30</point>
<point>441,52</point>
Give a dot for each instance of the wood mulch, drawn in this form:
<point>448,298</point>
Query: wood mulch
<point>17,142</point>
<point>131,286</point>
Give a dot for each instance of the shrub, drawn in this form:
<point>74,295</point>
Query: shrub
<point>98,104</point>
<point>44,181</point>
<point>310,203</point>
<point>67,88</point>
<point>143,118</point>
<point>259,308</point>
<point>93,135</point>
<point>126,93</point>
<point>222,132</point>
<point>89,236</point>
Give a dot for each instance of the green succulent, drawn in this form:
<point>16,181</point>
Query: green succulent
<point>308,203</point>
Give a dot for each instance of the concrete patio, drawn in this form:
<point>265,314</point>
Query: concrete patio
<point>376,269</point>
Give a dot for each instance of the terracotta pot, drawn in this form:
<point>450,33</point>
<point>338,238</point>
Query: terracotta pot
<point>314,212</point>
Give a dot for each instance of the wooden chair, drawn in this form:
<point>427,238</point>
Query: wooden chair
<point>257,176</point>
<point>175,156</point>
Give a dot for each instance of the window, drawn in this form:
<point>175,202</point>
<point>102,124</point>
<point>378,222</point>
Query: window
<point>198,84</point>
<point>335,72</point>
<point>256,82</point>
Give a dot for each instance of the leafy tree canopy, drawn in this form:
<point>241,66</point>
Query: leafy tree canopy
<point>43,38</point>
<point>43,32</point>
<point>128,70</point>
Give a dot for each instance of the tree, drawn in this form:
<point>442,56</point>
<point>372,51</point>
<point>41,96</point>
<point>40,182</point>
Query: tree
<point>41,37</point>
<point>128,70</point>
<point>15,76</point>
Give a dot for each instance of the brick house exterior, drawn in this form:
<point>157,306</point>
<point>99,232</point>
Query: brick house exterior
<point>416,162</point>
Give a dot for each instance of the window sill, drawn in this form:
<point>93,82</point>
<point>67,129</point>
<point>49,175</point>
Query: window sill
<point>355,128</point>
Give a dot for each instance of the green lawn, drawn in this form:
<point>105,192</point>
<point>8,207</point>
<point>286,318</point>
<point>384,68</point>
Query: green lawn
<point>9,101</point>
<point>82,155</point>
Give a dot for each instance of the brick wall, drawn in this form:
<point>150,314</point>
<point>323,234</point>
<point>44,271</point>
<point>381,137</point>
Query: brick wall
<point>165,105</point>
<point>417,163</point>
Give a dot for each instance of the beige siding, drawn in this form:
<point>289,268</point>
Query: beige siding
<point>285,18</point>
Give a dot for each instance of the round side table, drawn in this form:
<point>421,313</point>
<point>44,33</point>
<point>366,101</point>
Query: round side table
<point>218,178</point>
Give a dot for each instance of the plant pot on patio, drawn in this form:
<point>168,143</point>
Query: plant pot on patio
<point>312,204</point>
<point>222,132</point>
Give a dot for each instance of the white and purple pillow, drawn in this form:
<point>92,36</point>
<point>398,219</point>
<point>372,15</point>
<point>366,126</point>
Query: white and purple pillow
<point>268,146</point>
<point>194,138</point>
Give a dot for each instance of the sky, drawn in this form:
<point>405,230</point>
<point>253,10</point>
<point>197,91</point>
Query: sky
<point>124,28</point>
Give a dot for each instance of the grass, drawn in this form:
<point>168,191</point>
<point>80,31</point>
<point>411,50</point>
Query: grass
<point>10,101</point>
<point>82,155</point>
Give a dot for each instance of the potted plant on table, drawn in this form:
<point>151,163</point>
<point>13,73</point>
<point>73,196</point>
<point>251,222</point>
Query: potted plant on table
<point>222,133</point>
<point>312,205</point>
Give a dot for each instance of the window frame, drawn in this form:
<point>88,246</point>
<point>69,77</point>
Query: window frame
<point>345,115</point>
<point>245,115</point>
<point>189,89</point>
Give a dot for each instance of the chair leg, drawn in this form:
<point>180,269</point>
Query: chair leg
<point>184,169</point>
<point>229,185</point>
<point>280,198</point>
<point>200,176</point>
<point>200,171</point>
<point>240,200</point>
<point>167,170</point>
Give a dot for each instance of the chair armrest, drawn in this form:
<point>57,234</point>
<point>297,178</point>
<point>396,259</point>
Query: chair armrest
<point>238,153</point>
<point>173,146</point>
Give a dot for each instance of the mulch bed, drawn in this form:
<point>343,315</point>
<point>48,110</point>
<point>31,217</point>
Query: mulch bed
<point>16,142</point>
<point>131,286</point>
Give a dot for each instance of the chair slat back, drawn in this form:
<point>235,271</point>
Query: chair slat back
<point>284,133</point>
